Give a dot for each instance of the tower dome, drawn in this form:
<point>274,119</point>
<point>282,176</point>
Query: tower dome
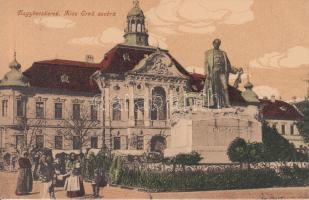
<point>136,10</point>
<point>15,76</point>
<point>249,95</point>
<point>135,31</point>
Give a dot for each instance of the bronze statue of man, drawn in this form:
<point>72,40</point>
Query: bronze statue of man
<point>217,70</point>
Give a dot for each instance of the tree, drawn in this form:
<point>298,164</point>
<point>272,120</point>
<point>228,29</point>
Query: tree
<point>77,128</point>
<point>276,147</point>
<point>237,150</point>
<point>31,128</point>
<point>303,126</point>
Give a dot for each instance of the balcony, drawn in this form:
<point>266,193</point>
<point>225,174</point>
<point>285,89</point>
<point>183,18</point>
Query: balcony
<point>139,122</point>
<point>158,123</point>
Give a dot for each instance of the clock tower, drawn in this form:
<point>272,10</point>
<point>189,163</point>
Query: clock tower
<point>135,31</point>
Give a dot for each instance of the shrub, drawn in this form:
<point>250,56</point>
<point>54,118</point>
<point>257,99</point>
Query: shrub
<point>237,150</point>
<point>183,159</point>
<point>116,170</point>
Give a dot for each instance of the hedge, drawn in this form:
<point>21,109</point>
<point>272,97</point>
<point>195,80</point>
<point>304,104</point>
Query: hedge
<point>198,180</point>
<point>294,176</point>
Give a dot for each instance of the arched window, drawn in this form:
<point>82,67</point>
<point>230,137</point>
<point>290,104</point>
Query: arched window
<point>133,25</point>
<point>117,111</point>
<point>139,109</point>
<point>158,104</point>
<point>139,26</point>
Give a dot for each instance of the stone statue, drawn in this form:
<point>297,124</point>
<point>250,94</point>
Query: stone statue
<point>217,70</point>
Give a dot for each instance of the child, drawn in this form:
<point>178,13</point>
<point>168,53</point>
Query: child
<point>96,181</point>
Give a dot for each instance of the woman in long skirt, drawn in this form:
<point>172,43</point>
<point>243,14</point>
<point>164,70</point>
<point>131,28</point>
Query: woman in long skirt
<point>46,172</point>
<point>74,183</point>
<point>24,180</point>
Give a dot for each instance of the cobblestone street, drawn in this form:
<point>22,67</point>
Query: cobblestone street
<point>8,184</point>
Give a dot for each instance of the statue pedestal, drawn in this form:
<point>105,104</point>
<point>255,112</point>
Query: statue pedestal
<point>210,132</point>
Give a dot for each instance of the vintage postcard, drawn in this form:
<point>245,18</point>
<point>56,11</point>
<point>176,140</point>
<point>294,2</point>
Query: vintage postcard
<point>154,99</point>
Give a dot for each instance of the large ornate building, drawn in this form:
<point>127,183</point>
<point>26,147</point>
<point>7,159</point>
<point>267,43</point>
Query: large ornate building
<point>37,106</point>
<point>129,98</point>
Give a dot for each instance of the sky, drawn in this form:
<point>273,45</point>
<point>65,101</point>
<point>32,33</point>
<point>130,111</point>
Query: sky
<point>268,38</point>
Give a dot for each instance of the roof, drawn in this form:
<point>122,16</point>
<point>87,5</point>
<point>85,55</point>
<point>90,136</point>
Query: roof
<point>63,74</point>
<point>120,59</point>
<point>279,110</point>
<point>197,85</point>
<point>123,58</point>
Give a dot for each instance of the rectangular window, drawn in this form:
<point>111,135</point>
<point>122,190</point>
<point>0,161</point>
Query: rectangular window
<point>275,126</point>
<point>94,113</point>
<point>292,129</point>
<point>4,108</point>
<point>76,143</point>
<point>20,140</point>
<point>283,129</point>
<point>94,142</point>
<point>117,143</point>
<point>58,142</point>
<point>140,142</point>
<point>39,107</point>
<point>58,110</point>
<point>39,141</point>
<point>76,111</point>
<point>20,108</point>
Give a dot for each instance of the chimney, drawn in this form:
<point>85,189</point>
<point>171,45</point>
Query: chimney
<point>89,58</point>
<point>273,98</point>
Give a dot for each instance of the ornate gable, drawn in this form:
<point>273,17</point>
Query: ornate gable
<point>159,64</point>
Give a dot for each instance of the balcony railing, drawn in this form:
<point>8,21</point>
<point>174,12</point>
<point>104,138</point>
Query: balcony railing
<point>139,122</point>
<point>158,123</point>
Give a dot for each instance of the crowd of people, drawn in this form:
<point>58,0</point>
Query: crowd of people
<point>62,171</point>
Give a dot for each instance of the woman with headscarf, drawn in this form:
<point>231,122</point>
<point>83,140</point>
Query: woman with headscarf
<point>74,183</point>
<point>24,180</point>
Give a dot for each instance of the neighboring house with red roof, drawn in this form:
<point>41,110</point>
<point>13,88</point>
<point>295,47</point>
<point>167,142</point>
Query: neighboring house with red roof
<point>284,117</point>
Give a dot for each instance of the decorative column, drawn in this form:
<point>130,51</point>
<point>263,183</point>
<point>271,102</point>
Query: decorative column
<point>171,95</point>
<point>131,104</point>
<point>146,105</point>
<point>107,106</point>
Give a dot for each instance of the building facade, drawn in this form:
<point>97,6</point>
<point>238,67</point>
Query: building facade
<point>38,116</point>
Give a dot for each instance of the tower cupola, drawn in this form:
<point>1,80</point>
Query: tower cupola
<point>136,32</point>
<point>14,77</point>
